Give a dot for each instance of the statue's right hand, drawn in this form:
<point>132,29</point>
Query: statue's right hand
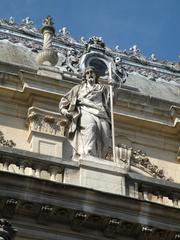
<point>69,115</point>
<point>66,113</point>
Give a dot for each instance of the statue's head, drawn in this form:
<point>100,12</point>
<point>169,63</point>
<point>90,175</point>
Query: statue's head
<point>91,75</point>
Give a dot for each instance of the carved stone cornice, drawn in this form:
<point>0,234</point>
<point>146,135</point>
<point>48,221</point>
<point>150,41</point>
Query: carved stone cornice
<point>151,73</point>
<point>80,221</point>
<point>109,214</point>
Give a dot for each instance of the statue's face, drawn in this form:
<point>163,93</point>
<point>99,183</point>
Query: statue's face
<point>91,76</point>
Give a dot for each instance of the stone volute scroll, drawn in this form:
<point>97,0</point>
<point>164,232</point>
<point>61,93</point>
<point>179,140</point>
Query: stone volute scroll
<point>48,56</point>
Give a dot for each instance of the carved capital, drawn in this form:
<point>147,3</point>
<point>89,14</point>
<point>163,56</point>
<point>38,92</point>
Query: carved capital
<point>149,73</point>
<point>48,122</point>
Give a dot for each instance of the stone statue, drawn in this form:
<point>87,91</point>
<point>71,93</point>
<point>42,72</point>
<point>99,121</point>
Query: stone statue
<point>87,106</point>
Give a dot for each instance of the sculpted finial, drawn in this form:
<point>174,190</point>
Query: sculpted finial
<point>153,57</point>
<point>48,21</point>
<point>95,43</point>
<point>48,56</point>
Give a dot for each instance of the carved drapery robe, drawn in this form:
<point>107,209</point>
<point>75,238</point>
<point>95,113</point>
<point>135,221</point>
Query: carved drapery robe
<point>90,129</point>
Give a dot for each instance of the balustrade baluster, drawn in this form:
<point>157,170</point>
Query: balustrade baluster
<point>38,170</point>
<point>175,202</point>
<point>22,167</point>
<point>145,195</point>
<point>53,172</point>
<point>6,164</point>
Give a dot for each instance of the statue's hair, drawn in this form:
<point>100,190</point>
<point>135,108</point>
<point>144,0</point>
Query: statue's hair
<point>90,68</point>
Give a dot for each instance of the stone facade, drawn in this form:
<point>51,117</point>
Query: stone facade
<point>45,193</point>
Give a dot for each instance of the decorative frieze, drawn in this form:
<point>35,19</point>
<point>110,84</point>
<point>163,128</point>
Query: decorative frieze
<point>151,73</point>
<point>84,221</point>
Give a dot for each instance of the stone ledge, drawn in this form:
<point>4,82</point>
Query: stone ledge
<point>31,156</point>
<point>46,193</point>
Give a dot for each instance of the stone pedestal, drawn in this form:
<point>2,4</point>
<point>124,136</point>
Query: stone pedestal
<point>99,174</point>
<point>45,143</point>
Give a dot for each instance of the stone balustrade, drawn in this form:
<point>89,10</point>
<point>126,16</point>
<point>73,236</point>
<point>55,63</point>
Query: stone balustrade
<point>152,189</point>
<point>67,171</point>
<point>33,164</point>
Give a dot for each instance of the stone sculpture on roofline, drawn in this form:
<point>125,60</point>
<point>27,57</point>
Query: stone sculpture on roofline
<point>88,106</point>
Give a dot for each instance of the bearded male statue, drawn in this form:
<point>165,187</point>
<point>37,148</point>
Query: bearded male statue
<point>87,106</point>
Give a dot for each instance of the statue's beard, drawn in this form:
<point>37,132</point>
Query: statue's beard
<point>91,80</point>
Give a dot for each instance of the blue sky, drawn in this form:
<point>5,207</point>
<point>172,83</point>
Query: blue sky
<point>152,25</point>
